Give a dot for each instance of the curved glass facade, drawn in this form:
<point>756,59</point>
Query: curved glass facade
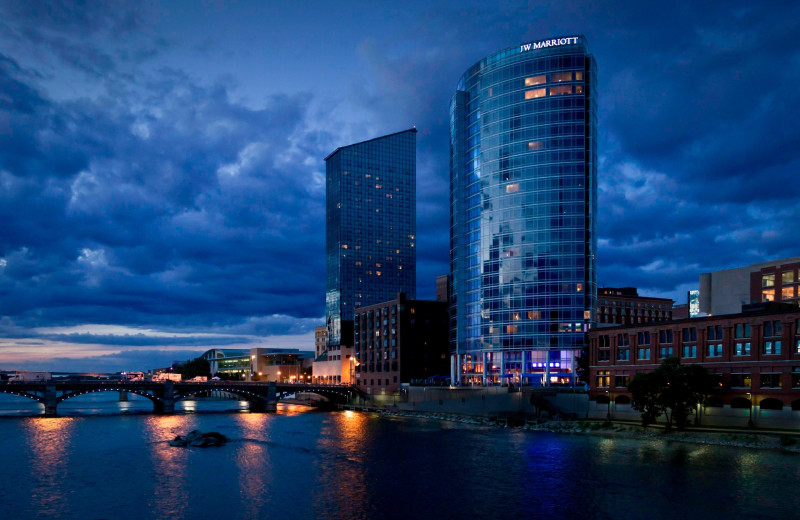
<point>523,191</point>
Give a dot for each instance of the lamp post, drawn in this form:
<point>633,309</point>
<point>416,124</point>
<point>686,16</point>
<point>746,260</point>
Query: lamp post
<point>750,419</point>
<point>279,376</point>
<point>608,413</point>
<point>252,367</point>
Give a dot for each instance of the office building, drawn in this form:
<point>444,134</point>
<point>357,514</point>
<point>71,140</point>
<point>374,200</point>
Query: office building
<point>443,288</point>
<point>523,181</point>
<point>370,228</point>
<point>725,291</point>
<point>400,341</point>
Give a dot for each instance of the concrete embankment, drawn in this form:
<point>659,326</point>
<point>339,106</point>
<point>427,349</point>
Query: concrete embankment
<point>754,439</point>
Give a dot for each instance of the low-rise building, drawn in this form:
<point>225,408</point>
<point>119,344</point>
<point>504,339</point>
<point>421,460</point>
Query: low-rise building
<point>624,306</point>
<point>400,341</point>
<point>259,364</point>
<point>725,291</point>
<point>753,355</point>
<point>228,363</point>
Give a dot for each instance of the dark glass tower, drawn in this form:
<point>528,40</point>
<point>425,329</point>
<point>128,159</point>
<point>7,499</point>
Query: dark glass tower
<point>371,227</point>
<point>523,192</point>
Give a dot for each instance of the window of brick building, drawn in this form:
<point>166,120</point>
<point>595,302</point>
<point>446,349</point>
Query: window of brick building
<point>740,380</point>
<point>771,380</point>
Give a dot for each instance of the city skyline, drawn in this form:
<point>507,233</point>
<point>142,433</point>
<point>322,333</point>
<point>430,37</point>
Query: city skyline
<point>162,169</point>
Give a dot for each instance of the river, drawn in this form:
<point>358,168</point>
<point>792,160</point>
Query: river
<point>301,463</point>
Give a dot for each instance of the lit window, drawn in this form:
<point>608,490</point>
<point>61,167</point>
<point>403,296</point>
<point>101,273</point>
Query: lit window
<point>535,145</point>
<point>579,89</point>
<point>768,295</point>
<point>512,188</point>
<point>344,246</point>
<point>535,80</point>
<point>587,315</point>
<point>561,90</point>
<point>767,280</point>
<point>579,75</point>
<point>787,277</point>
<point>536,93</point>
<point>511,329</point>
<point>787,292</point>
<point>561,76</point>
<point>740,380</point>
<point>579,287</point>
<point>534,315</point>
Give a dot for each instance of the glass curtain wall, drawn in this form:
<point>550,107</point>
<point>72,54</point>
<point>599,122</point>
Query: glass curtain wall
<point>523,174</point>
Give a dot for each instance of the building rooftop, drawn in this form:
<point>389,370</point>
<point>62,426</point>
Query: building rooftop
<point>414,130</point>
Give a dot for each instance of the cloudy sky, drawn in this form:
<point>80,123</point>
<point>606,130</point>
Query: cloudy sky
<point>162,175</point>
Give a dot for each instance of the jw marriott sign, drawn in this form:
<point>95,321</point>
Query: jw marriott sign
<point>555,42</point>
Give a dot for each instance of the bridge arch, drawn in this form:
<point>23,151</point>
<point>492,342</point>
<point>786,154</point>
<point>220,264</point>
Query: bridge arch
<point>246,394</point>
<point>9,391</point>
<point>76,393</point>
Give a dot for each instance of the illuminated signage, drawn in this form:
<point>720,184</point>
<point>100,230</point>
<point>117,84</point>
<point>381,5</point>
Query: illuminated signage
<point>555,42</point>
<point>694,303</point>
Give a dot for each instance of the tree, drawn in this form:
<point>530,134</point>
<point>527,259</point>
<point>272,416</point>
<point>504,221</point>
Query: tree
<point>645,389</point>
<point>195,367</point>
<point>672,389</point>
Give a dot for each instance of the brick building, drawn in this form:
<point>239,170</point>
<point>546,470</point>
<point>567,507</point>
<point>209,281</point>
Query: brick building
<point>754,355</point>
<point>400,341</point>
<point>776,283</point>
<point>724,292</point>
<point>624,306</point>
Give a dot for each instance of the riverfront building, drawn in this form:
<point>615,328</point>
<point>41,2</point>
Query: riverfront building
<point>523,191</point>
<point>400,341</point>
<point>754,356</point>
<point>370,228</point>
<point>259,364</point>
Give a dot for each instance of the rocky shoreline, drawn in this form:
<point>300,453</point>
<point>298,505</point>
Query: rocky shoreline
<point>788,442</point>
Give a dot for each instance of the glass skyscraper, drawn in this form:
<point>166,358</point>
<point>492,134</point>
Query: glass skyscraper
<point>523,192</point>
<point>371,227</point>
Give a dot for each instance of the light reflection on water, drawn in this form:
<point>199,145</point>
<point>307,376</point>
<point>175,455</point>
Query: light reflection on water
<point>304,464</point>
<point>340,474</point>
<point>48,441</point>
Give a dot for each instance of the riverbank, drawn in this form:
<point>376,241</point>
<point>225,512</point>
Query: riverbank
<point>780,441</point>
<point>755,439</point>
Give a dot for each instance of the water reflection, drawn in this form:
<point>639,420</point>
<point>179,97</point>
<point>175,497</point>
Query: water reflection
<point>48,441</point>
<point>341,473</point>
<point>253,462</point>
<point>169,496</point>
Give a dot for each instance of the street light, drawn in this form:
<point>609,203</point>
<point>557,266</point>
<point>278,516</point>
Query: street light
<point>279,376</point>
<point>750,419</point>
<point>608,414</point>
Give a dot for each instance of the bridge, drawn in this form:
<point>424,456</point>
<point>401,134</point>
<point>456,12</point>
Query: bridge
<point>262,397</point>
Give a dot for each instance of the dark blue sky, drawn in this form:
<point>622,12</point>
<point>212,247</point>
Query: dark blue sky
<point>162,174</point>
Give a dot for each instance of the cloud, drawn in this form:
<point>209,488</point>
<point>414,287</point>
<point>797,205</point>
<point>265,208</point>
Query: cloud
<point>146,184</point>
